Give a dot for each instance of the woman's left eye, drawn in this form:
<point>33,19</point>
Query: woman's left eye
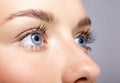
<point>33,39</point>
<point>81,40</point>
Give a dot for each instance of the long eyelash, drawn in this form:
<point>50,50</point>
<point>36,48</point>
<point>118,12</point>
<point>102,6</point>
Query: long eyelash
<point>39,29</point>
<point>42,28</point>
<point>90,38</point>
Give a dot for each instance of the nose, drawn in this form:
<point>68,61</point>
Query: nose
<point>79,67</point>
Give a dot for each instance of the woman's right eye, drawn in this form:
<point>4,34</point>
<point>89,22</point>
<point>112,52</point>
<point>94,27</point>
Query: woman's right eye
<point>33,39</point>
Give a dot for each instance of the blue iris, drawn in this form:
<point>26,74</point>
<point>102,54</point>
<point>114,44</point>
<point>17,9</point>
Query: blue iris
<point>36,38</point>
<point>81,40</point>
<point>33,39</point>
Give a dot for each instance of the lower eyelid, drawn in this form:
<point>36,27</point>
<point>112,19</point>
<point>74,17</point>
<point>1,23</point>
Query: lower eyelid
<point>29,48</point>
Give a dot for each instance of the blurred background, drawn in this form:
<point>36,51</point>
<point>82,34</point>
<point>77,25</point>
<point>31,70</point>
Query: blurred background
<point>105,16</point>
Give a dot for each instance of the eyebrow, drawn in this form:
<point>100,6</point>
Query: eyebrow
<point>86,21</point>
<point>45,16</point>
<point>38,14</point>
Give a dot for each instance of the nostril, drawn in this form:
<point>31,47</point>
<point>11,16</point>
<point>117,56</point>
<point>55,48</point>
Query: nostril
<point>83,78</point>
<point>80,80</point>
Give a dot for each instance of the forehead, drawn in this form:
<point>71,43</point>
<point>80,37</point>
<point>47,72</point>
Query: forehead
<point>71,10</point>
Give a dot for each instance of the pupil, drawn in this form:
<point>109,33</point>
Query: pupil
<point>81,41</point>
<point>36,38</point>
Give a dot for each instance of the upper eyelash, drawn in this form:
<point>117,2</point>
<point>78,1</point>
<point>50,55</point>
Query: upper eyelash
<point>40,29</point>
<point>90,37</point>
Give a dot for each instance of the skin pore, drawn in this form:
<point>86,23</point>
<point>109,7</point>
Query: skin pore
<point>39,42</point>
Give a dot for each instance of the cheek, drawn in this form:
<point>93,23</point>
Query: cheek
<point>17,67</point>
<point>13,68</point>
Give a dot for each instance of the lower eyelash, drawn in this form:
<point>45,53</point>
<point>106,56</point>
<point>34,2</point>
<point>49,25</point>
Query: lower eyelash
<point>30,48</point>
<point>88,48</point>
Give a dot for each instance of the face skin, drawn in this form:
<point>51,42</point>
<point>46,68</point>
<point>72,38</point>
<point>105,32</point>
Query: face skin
<point>58,58</point>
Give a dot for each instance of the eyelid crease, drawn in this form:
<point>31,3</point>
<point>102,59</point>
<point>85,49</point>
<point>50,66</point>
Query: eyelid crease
<point>81,33</point>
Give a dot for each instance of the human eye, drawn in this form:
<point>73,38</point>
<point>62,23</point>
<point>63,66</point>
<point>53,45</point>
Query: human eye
<point>33,39</point>
<point>85,38</point>
<point>81,40</point>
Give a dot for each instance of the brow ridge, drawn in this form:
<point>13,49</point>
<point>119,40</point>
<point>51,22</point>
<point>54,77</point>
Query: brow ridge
<point>38,14</point>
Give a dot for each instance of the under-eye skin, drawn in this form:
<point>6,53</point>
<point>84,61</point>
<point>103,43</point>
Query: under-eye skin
<point>33,39</point>
<point>84,38</point>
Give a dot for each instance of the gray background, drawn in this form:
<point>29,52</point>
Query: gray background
<point>105,15</point>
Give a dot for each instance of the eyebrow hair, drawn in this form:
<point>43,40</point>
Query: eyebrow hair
<point>45,16</point>
<point>39,14</point>
<point>84,22</point>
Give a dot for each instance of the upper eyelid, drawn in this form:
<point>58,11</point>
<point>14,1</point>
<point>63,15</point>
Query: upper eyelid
<point>29,31</point>
<point>80,33</point>
<point>24,33</point>
<point>88,35</point>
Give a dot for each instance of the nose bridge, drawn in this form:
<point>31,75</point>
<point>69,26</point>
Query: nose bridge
<point>78,65</point>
